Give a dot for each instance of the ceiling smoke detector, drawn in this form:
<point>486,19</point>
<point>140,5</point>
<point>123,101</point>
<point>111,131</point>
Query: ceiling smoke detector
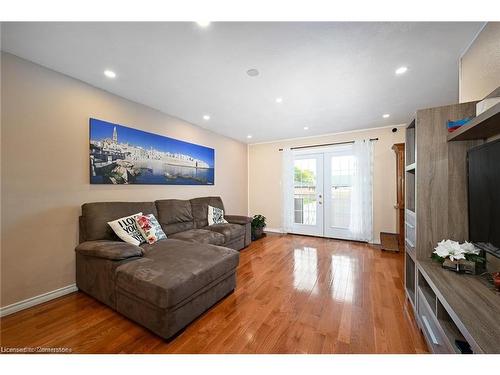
<point>253,72</point>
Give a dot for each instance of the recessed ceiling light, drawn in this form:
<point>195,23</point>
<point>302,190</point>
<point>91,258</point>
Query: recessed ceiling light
<point>306,127</point>
<point>386,115</point>
<point>203,23</point>
<point>401,70</point>
<point>109,74</point>
<point>249,136</point>
<point>206,117</point>
<point>253,72</point>
<point>279,100</point>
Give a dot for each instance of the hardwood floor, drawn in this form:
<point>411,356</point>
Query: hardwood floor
<point>294,294</point>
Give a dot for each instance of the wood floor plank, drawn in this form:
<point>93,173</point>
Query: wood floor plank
<point>294,294</point>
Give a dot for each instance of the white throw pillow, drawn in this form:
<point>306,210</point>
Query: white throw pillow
<point>215,216</point>
<point>126,229</point>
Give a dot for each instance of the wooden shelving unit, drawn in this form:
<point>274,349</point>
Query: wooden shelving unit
<point>448,306</point>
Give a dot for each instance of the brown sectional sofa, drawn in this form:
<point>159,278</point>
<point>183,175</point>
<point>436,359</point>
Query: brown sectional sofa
<point>166,285</point>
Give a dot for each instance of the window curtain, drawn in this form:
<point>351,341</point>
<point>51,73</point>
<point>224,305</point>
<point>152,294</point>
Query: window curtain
<point>287,181</point>
<point>361,224</point>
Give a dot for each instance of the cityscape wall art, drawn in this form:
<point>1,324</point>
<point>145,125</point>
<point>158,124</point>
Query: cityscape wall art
<point>122,155</point>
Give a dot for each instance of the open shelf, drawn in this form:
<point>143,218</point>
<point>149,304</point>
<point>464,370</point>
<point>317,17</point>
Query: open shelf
<point>486,125</point>
<point>465,308</point>
<point>449,328</point>
<point>410,144</point>
<point>410,190</point>
<point>410,278</point>
<point>427,292</point>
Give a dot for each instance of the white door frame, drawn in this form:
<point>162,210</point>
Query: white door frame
<point>309,229</point>
<point>331,231</point>
<point>323,193</point>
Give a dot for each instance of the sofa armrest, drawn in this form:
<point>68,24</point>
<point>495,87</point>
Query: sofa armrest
<point>246,222</point>
<point>237,219</point>
<point>112,250</point>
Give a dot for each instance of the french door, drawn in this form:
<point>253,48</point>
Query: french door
<point>308,194</point>
<point>322,192</point>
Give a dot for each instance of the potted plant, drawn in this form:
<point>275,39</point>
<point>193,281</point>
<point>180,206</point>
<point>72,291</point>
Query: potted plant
<point>258,225</point>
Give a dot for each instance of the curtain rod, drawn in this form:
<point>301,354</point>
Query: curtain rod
<point>325,144</point>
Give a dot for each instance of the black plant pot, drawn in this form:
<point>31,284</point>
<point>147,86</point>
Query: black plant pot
<point>257,233</point>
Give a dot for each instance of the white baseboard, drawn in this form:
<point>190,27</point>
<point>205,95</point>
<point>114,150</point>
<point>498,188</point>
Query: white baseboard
<point>33,301</point>
<point>273,230</point>
<point>279,230</point>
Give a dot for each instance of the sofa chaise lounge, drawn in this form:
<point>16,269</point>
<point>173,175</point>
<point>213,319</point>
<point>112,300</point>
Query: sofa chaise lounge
<point>166,285</point>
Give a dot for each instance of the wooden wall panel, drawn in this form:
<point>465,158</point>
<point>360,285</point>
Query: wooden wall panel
<point>441,197</point>
<point>458,226</point>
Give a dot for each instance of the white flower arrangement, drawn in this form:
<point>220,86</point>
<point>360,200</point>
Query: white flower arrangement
<point>454,250</point>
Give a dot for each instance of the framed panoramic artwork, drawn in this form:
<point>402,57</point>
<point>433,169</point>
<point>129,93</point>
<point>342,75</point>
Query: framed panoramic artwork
<point>122,155</point>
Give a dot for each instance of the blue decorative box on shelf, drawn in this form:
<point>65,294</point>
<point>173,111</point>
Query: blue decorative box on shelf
<point>454,125</point>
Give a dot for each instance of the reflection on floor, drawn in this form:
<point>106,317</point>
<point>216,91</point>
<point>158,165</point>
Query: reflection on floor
<point>344,270</point>
<point>295,294</point>
<point>305,269</point>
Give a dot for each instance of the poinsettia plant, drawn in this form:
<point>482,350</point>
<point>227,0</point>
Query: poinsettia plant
<point>456,251</point>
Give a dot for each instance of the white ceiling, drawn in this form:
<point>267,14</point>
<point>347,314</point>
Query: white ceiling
<point>332,76</point>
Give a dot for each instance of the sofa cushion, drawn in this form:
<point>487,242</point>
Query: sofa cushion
<point>113,250</point>
<point>95,217</point>
<point>199,208</point>
<point>230,231</point>
<point>200,236</point>
<point>174,215</point>
<point>172,271</point>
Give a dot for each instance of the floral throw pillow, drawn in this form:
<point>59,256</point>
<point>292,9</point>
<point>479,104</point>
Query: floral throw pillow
<point>215,216</point>
<point>150,228</point>
<point>126,229</point>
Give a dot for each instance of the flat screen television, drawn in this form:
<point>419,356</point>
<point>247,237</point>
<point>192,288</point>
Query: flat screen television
<point>484,196</point>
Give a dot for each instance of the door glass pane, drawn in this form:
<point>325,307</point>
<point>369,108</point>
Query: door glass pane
<point>305,191</point>
<point>341,185</point>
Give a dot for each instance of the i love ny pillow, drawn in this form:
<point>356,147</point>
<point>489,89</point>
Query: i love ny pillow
<point>126,229</point>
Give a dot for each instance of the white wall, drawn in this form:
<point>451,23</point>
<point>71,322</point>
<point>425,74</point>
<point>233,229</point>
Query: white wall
<point>480,65</point>
<point>265,193</point>
<point>45,172</point>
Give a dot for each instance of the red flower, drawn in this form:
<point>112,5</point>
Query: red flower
<point>144,222</point>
